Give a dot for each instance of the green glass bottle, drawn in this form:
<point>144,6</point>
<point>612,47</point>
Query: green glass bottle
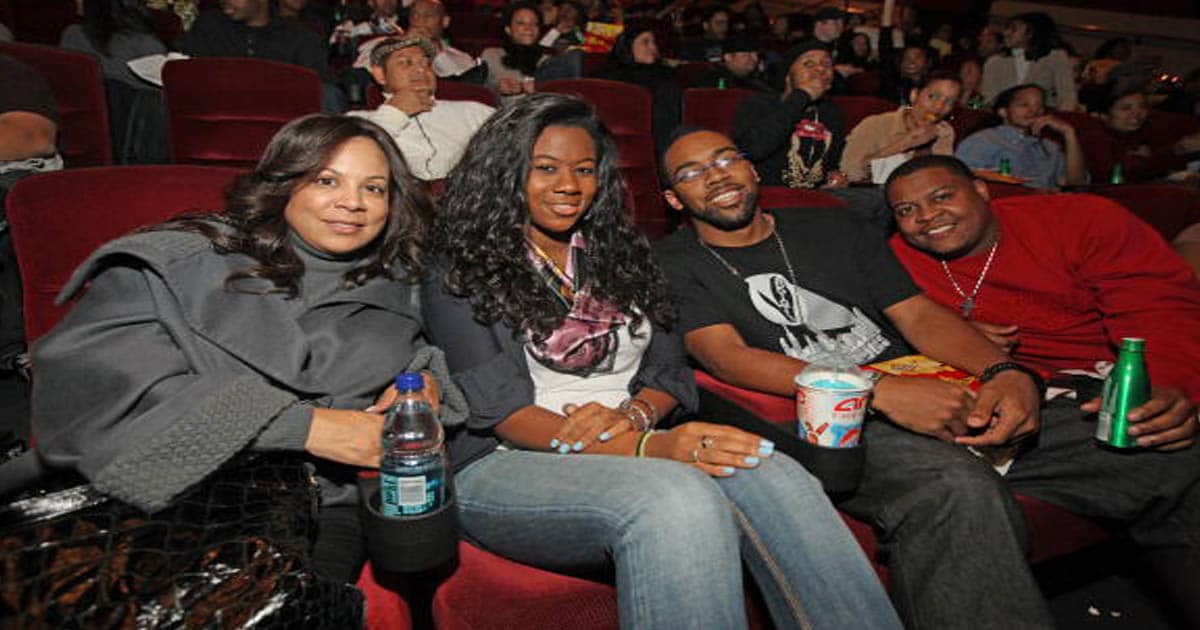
<point>1127,387</point>
<point>721,83</point>
<point>1118,174</point>
<point>1005,167</point>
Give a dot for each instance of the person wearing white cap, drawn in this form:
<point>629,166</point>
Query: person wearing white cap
<point>430,133</point>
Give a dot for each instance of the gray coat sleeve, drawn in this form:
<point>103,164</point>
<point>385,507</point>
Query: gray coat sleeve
<point>121,399</point>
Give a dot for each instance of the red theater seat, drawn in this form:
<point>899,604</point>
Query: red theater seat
<point>78,87</point>
<point>625,110</point>
<point>711,108</point>
<point>968,121</point>
<point>856,108</point>
<point>770,197</point>
<point>1168,208</point>
<point>59,218</point>
<point>224,110</point>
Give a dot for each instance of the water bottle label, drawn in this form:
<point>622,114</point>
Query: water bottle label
<point>409,495</point>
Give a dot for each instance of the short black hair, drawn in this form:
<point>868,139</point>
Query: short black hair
<point>920,163</point>
<point>712,10</point>
<point>1004,99</point>
<point>682,130</point>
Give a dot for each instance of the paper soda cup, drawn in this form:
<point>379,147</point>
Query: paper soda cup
<point>831,404</point>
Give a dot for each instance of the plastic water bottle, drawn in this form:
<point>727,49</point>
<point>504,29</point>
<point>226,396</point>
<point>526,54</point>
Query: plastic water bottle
<point>412,475</point>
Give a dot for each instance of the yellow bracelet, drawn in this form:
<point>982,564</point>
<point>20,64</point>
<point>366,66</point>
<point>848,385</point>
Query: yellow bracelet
<point>641,445</point>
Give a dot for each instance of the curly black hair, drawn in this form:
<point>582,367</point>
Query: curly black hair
<point>481,226</point>
<point>253,222</point>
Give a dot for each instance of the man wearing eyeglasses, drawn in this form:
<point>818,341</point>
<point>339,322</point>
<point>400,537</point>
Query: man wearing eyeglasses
<point>761,295</point>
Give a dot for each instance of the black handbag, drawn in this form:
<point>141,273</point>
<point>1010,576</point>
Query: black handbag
<point>232,552</point>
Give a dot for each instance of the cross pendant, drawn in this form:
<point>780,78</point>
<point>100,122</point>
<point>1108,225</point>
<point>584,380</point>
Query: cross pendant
<point>966,306</point>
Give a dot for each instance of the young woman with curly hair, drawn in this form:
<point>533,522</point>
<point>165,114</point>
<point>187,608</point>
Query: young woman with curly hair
<point>556,327</point>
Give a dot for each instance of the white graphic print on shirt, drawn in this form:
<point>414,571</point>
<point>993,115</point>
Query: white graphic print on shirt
<point>816,329</point>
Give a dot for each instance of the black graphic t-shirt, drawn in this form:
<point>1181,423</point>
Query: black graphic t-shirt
<point>847,276</point>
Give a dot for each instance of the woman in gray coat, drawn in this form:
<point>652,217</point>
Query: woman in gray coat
<point>270,326</point>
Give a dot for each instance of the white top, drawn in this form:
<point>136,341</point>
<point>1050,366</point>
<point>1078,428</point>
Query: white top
<point>553,389</point>
<point>1021,64</point>
<point>432,142</point>
<point>451,61</point>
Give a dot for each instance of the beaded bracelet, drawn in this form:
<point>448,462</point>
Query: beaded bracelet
<point>637,416</point>
<point>1005,366</point>
<point>640,451</point>
<point>653,411</point>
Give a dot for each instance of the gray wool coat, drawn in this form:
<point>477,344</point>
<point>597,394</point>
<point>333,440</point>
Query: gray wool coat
<point>160,374</point>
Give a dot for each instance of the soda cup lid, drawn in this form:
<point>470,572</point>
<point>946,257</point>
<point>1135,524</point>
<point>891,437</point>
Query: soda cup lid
<point>409,381</point>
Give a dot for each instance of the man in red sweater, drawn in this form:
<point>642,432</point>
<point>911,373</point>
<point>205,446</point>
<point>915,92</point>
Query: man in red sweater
<point>1057,281</point>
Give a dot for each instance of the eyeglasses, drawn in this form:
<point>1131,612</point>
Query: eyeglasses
<point>693,173</point>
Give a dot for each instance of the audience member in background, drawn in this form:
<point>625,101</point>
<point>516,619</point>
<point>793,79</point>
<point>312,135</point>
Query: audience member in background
<point>970,75</point>
<point>28,144</point>
<point>5,34</point>
<point>316,17</point>
<point>556,323</point>
<point>635,58</point>
<point>377,17</point>
<point>795,138</point>
<point>1035,55</point>
<point>428,19</point>
<point>942,41</point>
<point>568,26</point>
<point>828,25</point>
<point>779,37</point>
<point>115,31</point>
<point>1108,56</point>
<point>1143,156</point>
<point>989,42</point>
<point>882,142</point>
<point>511,68</point>
<point>270,326</point>
<point>431,133</point>
<point>900,73</point>
<point>738,68</point>
<point>708,47</point>
<point>1041,162</point>
<point>248,28</point>
<point>762,295</point>
<point>854,50</point>
<point>1186,98</point>
<point>1055,282</point>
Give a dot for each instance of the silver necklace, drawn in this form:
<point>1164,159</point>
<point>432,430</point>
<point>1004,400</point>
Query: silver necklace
<point>733,270</point>
<point>968,303</point>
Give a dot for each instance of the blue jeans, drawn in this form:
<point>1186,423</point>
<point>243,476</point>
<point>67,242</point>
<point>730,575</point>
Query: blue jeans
<point>675,538</point>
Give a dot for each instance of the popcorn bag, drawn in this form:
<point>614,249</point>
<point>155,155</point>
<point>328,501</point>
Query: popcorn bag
<point>599,37</point>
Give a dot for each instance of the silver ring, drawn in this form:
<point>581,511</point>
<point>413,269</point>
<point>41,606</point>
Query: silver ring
<point>707,442</point>
<point>696,455</point>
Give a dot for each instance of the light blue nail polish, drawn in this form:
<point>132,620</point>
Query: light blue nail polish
<point>751,461</point>
<point>766,448</point>
<point>729,470</point>
<point>564,448</point>
<point>604,437</point>
<point>578,446</point>
<point>554,444</point>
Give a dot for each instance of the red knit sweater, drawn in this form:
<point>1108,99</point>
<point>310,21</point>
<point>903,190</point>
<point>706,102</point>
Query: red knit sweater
<point>1077,273</point>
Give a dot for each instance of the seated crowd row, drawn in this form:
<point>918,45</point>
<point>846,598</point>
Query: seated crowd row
<point>559,340</point>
